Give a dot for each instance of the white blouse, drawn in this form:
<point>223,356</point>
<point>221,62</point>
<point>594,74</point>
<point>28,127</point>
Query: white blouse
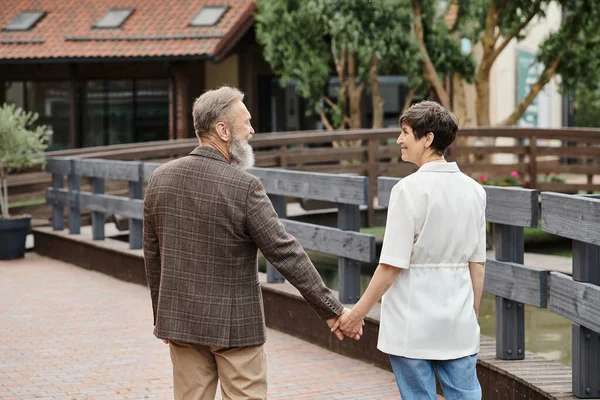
<point>435,226</point>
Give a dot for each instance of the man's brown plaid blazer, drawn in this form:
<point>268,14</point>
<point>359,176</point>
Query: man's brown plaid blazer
<point>204,220</point>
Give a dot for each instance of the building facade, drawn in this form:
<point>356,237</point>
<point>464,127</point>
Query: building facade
<point>100,75</point>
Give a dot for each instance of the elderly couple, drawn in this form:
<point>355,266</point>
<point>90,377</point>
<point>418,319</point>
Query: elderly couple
<point>205,218</point>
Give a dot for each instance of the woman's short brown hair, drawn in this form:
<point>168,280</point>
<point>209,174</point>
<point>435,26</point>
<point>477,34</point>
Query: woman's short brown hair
<point>429,116</point>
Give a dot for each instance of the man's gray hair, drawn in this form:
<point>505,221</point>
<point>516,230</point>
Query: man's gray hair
<point>212,106</point>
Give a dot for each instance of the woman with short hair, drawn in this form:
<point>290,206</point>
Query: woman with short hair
<point>431,267</point>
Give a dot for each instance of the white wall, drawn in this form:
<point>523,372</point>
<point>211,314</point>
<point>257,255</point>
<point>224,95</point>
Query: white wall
<point>503,76</point>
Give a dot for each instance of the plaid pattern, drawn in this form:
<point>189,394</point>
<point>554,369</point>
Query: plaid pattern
<point>204,221</point>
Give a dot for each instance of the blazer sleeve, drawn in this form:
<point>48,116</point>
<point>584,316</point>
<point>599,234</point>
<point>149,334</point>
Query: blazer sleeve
<point>285,253</point>
<point>151,257</point>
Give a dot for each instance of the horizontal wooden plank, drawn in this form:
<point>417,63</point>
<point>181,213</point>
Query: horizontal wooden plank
<point>516,150</point>
<point>384,189</point>
<point>329,187</point>
<point>576,301</point>
<point>393,169</point>
<point>59,197</point>
<point>109,169</point>
<point>516,282</point>
<point>512,206</point>
<point>58,166</point>
<point>568,151</point>
<point>357,169</point>
<point>337,242</point>
<point>148,168</point>
<point>566,187</point>
<point>490,170</point>
<point>131,208</point>
<point>324,155</point>
<point>505,205</point>
<point>570,169</point>
<point>570,216</point>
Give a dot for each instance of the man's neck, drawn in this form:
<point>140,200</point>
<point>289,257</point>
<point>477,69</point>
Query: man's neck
<point>221,147</point>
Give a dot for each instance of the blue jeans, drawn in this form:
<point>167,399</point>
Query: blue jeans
<point>416,379</point>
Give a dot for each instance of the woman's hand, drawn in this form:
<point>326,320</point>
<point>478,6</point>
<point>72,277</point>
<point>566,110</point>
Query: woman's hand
<point>350,324</point>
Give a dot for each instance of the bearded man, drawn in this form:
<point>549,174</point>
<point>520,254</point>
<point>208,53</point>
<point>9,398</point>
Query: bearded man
<point>205,217</point>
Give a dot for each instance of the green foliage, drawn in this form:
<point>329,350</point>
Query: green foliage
<point>587,107</point>
<point>443,45</point>
<point>20,145</point>
<point>302,39</point>
<point>294,44</point>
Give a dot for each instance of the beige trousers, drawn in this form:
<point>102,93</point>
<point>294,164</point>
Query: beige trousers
<point>242,372</point>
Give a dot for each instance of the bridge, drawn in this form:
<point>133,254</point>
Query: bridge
<point>506,369</point>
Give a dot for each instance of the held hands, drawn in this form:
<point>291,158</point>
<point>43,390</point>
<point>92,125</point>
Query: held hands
<point>347,323</point>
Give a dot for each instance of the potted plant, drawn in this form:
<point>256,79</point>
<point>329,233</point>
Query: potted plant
<point>21,145</point>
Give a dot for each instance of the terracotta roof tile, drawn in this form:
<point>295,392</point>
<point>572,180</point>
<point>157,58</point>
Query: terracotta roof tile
<point>157,28</point>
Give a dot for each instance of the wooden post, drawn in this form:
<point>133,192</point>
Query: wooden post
<point>273,276</point>
<point>74,187</point>
<point>348,269</point>
<point>97,216</point>
<point>372,161</point>
<point>586,343</point>
<point>135,225</point>
<point>510,315</point>
<point>589,161</point>
<point>58,211</point>
<point>533,163</point>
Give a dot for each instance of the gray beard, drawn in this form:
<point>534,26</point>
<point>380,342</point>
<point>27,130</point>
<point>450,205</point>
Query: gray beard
<point>242,155</point>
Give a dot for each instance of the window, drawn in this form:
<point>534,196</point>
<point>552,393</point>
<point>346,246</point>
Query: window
<point>25,21</point>
<point>124,111</point>
<point>208,16</point>
<point>114,18</point>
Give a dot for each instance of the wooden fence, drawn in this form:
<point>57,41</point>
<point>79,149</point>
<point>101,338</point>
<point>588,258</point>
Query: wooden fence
<point>509,210</point>
<point>576,298</point>
<point>348,192</point>
<point>533,153</point>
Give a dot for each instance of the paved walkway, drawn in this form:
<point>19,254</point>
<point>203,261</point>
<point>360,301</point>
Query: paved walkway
<point>70,333</point>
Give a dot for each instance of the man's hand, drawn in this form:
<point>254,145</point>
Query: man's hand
<point>347,319</point>
<point>350,324</point>
<point>331,322</point>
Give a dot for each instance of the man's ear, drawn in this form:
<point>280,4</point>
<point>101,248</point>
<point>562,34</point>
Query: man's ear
<point>223,131</point>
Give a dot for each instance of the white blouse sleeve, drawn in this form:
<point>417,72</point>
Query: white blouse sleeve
<point>480,254</point>
<point>399,230</point>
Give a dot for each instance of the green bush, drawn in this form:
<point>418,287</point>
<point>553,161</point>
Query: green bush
<point>21,145</point>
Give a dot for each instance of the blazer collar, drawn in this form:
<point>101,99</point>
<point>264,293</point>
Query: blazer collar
<point>209,152</point>
<point>439,167</point>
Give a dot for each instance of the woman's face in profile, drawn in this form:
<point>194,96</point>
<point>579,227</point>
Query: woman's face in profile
<point>411,148</point>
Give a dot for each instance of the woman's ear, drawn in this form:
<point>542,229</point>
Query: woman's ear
<point>429,139</point>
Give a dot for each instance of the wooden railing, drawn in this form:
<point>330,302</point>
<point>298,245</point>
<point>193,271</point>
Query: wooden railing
<point>348,192</point>
<point>532,153</point>
<point>576,298</point>
<point>509,210</point>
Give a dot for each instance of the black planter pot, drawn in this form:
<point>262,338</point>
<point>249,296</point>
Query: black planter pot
<point>13,233</point>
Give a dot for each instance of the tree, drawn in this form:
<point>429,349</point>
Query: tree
<point>360,39</point>
<point>495,23</point>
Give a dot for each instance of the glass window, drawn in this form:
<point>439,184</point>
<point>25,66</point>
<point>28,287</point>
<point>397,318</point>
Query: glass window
<point>208,16</point>
<point>120,112</point>
<point>51,100</point>
<point>114,18</point>
<point>152,110</point>
<point>25,21</point>
<point>14,94</point>
<point>93,112</point>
